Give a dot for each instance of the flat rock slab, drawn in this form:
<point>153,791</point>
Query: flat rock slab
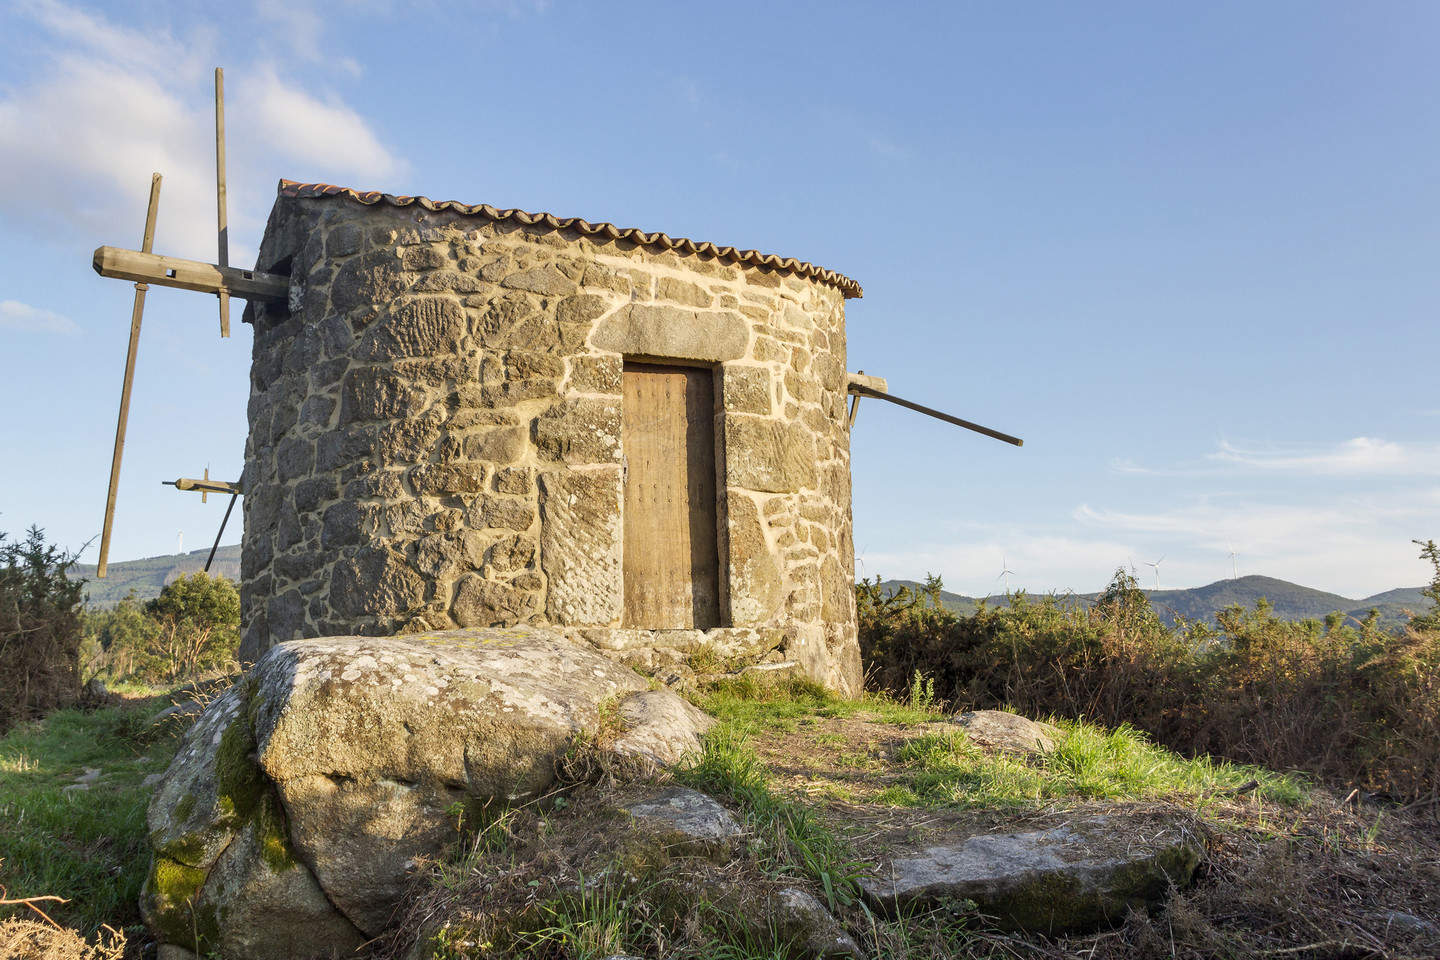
<point>1002,730</point>
<point>1079,877</point>
<point>689,813</point>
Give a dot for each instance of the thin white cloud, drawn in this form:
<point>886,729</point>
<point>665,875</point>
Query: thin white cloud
<point>109,104</point>
<point>15,315</point>
<point>1360,455</point>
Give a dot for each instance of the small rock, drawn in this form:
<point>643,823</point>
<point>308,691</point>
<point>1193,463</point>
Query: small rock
<point>95,689</point>
<point>1406,922</point>
<point>1001,730</point>
<point>803,920</point>
<point>662,726</point>
<point>786,668</point>
<point>690,813</point>
<point>1074,878</point>
<point>189,708</point>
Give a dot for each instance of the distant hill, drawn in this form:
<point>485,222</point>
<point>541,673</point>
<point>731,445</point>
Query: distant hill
<point>1290,601</point>
<point>148,577</point>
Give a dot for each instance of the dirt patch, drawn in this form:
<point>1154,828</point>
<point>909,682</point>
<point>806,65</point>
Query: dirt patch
<point>846,759</point>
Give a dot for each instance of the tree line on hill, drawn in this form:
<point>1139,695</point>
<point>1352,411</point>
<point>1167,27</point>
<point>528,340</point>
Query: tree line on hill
<point>1288,601</point>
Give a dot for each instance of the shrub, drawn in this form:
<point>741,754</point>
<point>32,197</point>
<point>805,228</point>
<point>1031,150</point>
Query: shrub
<point>40,629</point>
<point>1351,703</point>
<point>115,638</point>
<point>191,628</point>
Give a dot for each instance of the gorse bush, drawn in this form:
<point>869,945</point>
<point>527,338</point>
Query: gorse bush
<point>40,629</point>
<point>191,628</point>
<point>1348,702</point>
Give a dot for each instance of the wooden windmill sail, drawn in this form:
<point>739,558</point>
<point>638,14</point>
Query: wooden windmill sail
<point>144,267</point>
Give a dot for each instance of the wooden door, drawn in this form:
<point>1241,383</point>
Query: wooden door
<point>672,563</point>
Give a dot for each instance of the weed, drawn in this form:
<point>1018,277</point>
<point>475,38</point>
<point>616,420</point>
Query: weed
<point>796,838</point>
<point>922,692</point>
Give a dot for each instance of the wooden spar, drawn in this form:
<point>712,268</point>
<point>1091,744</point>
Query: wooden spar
<point>136,313</point>
<point>146,267</point>
<point>216,545</point>
<point>875,383</point>
<point>204,486</point>
<point>859,388</point>
<point>220,212</point>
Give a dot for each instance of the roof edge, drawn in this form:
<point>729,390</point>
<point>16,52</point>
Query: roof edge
<point>847,287</point>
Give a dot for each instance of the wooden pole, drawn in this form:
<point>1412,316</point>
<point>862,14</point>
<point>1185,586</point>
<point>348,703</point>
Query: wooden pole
<point>855,403</point>
<point>220,213</point>
<point>863,391</point>
<point>211,559</point>
<point>135,314</point>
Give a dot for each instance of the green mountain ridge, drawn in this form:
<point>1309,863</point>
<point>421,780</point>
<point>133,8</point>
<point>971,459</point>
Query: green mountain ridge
<point>1289,601</point>
<point>148,577</point>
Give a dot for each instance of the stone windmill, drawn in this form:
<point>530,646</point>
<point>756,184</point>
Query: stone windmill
<point>469,416</point>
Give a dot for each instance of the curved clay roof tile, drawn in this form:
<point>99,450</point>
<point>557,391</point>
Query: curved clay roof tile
<point>848,287</point>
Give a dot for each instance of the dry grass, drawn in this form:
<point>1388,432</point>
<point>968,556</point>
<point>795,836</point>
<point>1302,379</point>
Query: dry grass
<point>37,940</point>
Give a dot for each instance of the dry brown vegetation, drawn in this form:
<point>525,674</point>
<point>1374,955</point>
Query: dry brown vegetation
<point>38,940</point>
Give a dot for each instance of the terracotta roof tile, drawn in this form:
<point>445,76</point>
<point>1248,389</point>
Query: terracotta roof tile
<point>848,287</point>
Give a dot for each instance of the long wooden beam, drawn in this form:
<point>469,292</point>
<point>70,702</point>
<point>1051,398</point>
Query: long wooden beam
<point>859,389</point>
<point>191,275</point>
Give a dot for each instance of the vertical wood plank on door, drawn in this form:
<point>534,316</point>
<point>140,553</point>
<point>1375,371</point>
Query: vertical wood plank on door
<point>672,562</point>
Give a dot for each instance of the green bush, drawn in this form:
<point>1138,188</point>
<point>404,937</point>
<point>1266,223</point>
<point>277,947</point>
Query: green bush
<point>40,629</point>
<point>193,627</point>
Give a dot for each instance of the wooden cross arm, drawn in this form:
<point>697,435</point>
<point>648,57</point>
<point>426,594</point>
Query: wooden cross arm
<point>191,275</point>
<point>204,486</point>
<point>873,384</point>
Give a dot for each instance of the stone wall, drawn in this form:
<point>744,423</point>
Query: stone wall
<point>435,432</point>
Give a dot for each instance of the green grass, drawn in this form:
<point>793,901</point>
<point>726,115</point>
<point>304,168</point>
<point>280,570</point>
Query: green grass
<point>793,838</point>
<point>946,769</point>
<point>87,845</point>
<point>1088,763</point>
<point>749,705</point>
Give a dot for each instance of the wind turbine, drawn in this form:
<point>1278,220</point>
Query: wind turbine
<point>1234,571</point>
<point>1007,573</point>
<point>860,562</point>
<point>1156,567</point>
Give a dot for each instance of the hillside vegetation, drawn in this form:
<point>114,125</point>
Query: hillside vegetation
<point>1349,702</point>
<point>146,578</point>
<point>1287,601</point>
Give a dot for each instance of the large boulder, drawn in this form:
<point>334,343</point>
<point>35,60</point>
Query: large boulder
<point>301,800</point>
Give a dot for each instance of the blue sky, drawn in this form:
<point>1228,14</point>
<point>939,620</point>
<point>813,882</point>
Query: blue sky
<point>1188,252</point>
